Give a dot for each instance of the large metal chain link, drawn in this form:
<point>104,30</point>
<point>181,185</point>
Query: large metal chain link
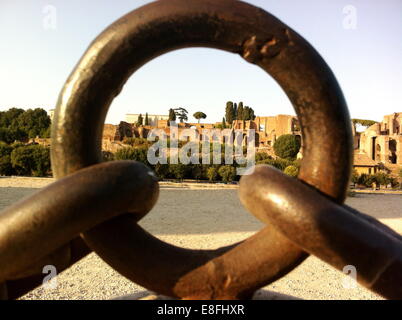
<point>96,206</point>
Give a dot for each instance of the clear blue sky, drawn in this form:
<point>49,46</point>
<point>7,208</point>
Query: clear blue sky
<point>367,60</point>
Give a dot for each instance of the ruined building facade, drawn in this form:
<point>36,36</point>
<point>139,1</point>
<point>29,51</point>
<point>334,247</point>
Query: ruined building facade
<point>267,130</point>
<point>382,142</point>
<point>379,146</point>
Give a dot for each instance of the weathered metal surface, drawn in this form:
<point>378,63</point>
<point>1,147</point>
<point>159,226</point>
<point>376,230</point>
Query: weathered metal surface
<point>336,234</point>
<point>47,224</point>
<point>236,27</point>
<point>43,228</point>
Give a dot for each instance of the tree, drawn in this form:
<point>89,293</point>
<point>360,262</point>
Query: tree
<point>140,120</point>
<point>246,113</point>
<point>199,115</point>
<point>223,123</point>
<point>181,114</point>
<point>172,115</point>
<point>365,123</point>
<point>7,117</point>
<point>10,135</point>
<point>240,111</point>
<point>229,112</point>
<point>146,119</point>
<point>6,167</point>
<point>252,114</point>
<point>287,147</point>
<point>35,122</point>
<point>19,125</point>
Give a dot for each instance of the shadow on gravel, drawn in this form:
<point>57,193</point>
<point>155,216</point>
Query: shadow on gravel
<point>189,211</point>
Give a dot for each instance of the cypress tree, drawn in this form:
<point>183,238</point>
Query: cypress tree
<point>246,113</point>
<point>229,114</point>
<point>172,115</point>
<point>240,112</point>
<point>140,120</point>
<point>252,115</point>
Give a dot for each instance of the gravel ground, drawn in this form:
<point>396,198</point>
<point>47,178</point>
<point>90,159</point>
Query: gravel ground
<point>218,220</point>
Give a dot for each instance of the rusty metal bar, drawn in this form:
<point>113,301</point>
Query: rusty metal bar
<point>35,231</point>
<point>236,27</point>
<point>332,232</point>
<point>103,203</point>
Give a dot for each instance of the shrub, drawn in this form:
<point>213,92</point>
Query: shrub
<point>355,177</point>
<point>162,170</point>
<point>178,170</point>
<point>131,153</point>
<point>31,160</point>
<point>136,142</point>
<point>394,182</point>
<point>128,140</point>
<point>280,164</point>
<point>382,178</point>
<point>5,149</point>
<point>291,171</point>
<point>10,135</point>
<point>228,173</point>
<point>287,146</point>
<point>196,171</point>
<point>6,168</point>
<point>367,179</point>
<point>212,174</point>
<point>260,156</point>
<point>124,154</point>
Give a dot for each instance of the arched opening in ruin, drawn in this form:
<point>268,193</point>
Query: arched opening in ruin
<point>373,148</point>
<point>392,151</point>
<point>378,153</point>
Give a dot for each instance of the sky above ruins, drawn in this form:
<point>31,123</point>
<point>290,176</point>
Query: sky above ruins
<point>41,41</point>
